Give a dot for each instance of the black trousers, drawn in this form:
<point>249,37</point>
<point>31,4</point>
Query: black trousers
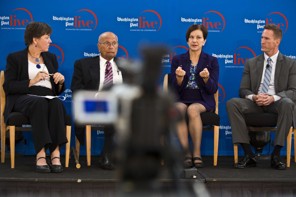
<point>109,131</point>
<point>47,118</point>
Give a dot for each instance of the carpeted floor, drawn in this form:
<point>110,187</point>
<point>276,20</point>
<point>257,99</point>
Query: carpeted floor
<point>222,180</point>
<point>24,169</point>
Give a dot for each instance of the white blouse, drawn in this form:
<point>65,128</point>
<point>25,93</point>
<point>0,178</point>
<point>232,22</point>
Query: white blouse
<point>33,70</point>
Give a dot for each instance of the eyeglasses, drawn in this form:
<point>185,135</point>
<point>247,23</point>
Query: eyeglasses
<point>108,44</point>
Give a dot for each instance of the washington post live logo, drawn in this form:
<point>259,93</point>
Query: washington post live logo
<point>175,50</point>
<point>238,58</point>
<point>276,18</point>
<point>213,20</point>
<point>59,52</point>
<point>122,53</point>
<point>149,20</point>
<point>84,20</point>
<point>19,18</point>
<point>241,54</point>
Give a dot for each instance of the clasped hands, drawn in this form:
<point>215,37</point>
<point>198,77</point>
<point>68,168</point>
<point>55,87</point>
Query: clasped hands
<point>263,99</point>
<point>203,74</point>
<point>58,78</point>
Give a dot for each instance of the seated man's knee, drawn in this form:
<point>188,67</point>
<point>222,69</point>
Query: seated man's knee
<point>286,104</point>
<point>231,103</point>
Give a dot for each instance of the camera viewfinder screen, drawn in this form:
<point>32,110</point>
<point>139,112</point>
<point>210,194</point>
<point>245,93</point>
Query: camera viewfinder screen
<point>92,106</point>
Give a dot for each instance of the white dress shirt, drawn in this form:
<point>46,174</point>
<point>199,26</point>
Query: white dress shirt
<point>271,90</point>
<point>117,76</point>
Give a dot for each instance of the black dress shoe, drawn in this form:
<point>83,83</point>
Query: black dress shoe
<point>106,163</point>
<point>247,161</point>
<point>42,168</point>
<point>56,168</point>
<point>187,163</point>
<point>276,163</point>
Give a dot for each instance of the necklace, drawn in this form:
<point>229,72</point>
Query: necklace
<point>37,59</point>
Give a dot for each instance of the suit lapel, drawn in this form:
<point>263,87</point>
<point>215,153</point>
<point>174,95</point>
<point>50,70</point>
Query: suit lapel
<point>278,68</point>
<point>94,71</point>
<point>48,63</point>
<point>258,71</point>
<point>202,62</point>
<point>24,69</point>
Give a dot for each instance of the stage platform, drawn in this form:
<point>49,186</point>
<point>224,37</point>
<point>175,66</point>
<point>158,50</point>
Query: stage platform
<point>222,180</point>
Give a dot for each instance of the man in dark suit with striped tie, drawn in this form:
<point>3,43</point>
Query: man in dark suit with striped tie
<point>268,85</point>
<point>99,73</point>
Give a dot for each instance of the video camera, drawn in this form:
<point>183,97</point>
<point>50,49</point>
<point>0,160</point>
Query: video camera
<point>93,107</point>
<point>144,118</point>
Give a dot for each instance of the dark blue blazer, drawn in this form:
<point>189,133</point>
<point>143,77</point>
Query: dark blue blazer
<point>205,61</point>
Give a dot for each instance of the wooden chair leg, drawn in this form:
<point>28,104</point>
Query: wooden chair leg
<point>67,152</point>
<point>289,141</point>
<point>77,147</point>
<point>3,136</point>
<point>12,145</point>
<point>235,152</point>
<point>294,132</point>
<point>216,144</point>
<point>88,144</point>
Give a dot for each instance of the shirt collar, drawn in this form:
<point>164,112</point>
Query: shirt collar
<point>103,60</point>
<point>273,58</point>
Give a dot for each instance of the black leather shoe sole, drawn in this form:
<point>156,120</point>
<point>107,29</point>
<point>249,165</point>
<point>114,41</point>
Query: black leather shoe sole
<point>246,162</point>
<point>43,169</point>
<point>107,166</point>
<point>106,163</point>
<point>240,166</point>
<point>278,165</point>
<point>187,163</point>
<point>56,168</point>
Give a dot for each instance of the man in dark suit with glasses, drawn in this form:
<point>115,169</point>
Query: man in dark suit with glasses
<point>96,74</point>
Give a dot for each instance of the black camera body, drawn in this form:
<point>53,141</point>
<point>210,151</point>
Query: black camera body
<point>143,115</point>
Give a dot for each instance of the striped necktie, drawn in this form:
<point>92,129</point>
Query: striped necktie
<point>267,77</point>
<point>108,81</point>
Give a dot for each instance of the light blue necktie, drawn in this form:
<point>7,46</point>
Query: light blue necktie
<point>267,77</point>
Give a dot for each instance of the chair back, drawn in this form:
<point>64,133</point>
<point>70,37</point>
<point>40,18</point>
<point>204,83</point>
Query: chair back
<point>2,122</point>
<point>2,100</point>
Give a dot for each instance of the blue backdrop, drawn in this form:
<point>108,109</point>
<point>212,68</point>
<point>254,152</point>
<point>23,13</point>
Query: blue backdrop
<point>234,35</point>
